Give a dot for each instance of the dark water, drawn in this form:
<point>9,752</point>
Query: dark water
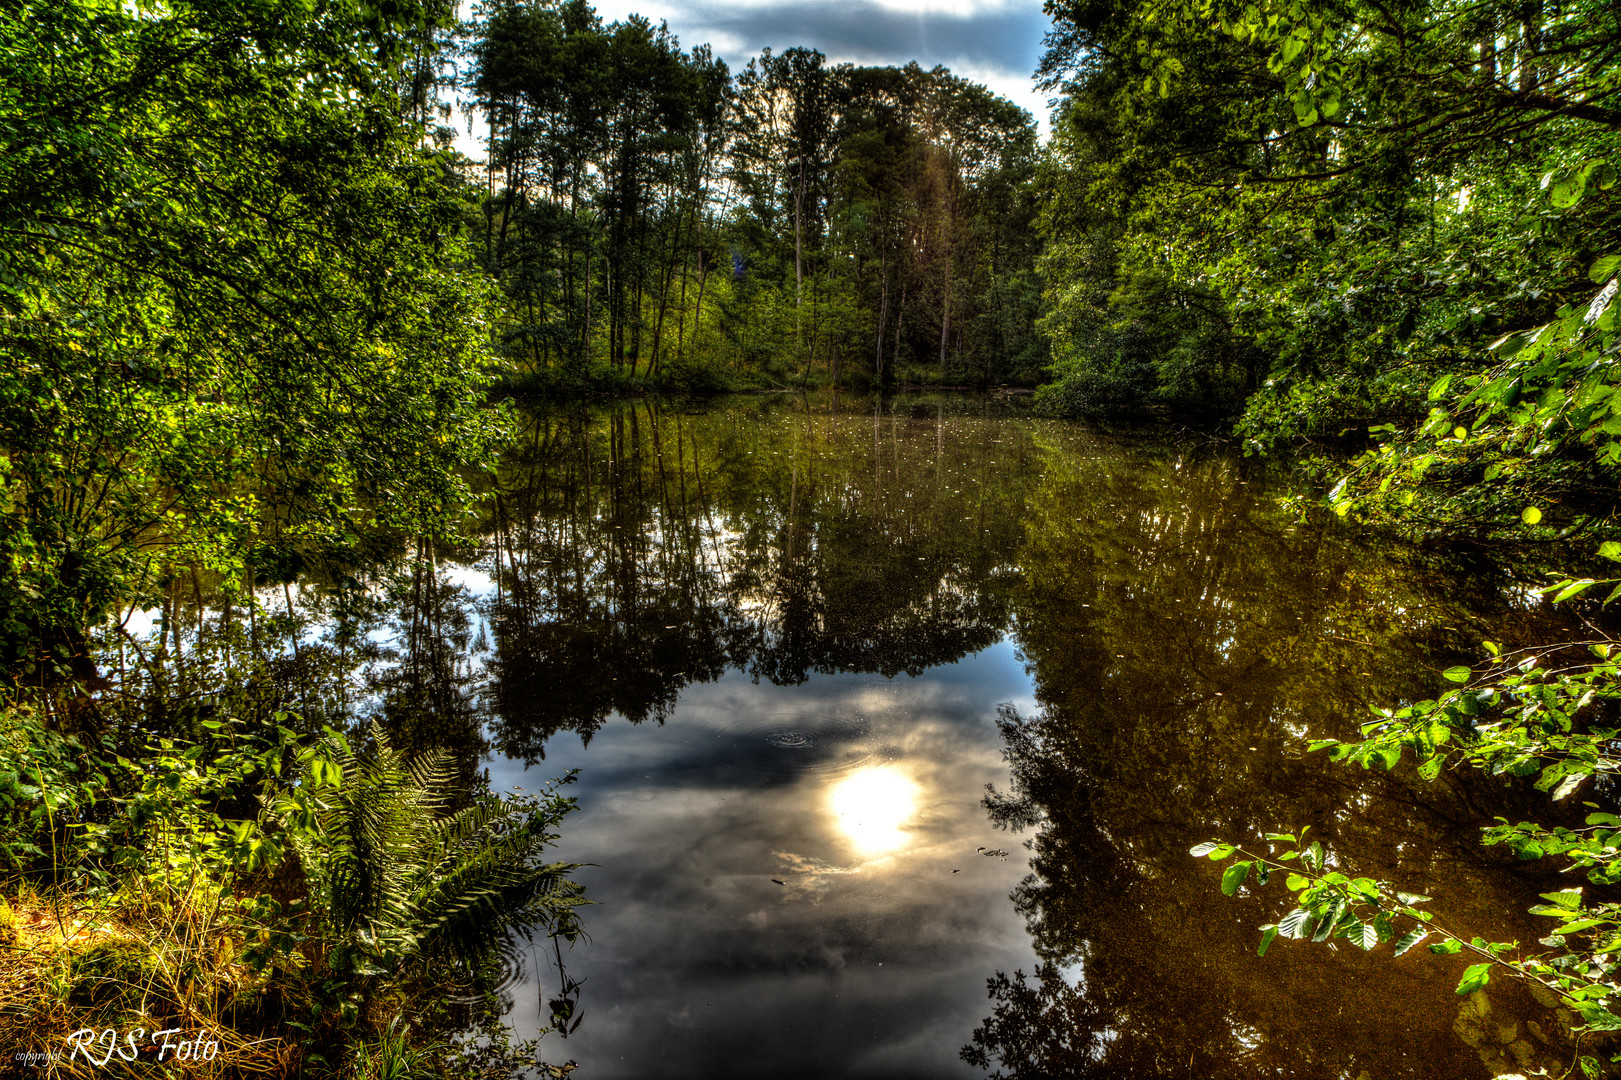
<point>789,644</point>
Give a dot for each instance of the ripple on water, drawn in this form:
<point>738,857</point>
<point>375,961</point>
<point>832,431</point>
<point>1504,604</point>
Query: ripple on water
<point>509,972</point>
<point>790,745</point>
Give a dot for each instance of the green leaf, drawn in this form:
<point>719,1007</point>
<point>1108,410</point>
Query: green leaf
<point>1203,849</point>
<point>1530,515</point>
<point>1296,924</point>
<point>1579,925</point>
<point>1325,928</point>
<point>1234,876</point>
<point>1410,939</point>
<point>1603,269</point>
<point>1574,588</point>
<point>1457,674</point>
<point>1446,948</point>
<point>1267,934</point>
<point>1567,190</point>
<point>1510,344</point>
<point>1475,976</point>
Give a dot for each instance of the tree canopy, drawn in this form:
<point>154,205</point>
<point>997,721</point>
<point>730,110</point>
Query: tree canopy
<point>239,311</point>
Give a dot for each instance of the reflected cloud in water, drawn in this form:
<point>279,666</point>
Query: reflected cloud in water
<point>788,881</point>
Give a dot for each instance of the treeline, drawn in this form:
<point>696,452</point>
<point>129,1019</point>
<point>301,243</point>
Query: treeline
<point>650,216</point>
<point>1350,220</point>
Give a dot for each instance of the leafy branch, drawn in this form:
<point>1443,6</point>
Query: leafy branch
<point>1367,913</point>
<point>1546,715</point>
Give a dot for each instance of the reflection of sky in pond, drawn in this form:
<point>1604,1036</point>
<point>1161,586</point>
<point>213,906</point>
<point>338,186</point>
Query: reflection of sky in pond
<point>792,885</point>
<point>793,875</point>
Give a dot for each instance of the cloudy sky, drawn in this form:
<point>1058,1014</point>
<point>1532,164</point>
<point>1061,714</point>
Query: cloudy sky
<point>994,42</point>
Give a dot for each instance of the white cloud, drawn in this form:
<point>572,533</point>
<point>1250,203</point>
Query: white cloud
<point>993,42</point>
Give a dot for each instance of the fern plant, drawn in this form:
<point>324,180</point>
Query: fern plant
<point>396,879</point>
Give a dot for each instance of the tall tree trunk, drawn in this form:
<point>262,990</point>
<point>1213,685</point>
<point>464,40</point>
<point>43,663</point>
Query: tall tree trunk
<point>799,211</point>
<point>698,308</point>
<point>900,322</point>
<point>1530,46</point>
<point>883,315</point>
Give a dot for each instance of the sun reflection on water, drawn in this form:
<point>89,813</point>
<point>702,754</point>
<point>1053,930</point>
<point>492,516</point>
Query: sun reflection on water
<point>872,807</point>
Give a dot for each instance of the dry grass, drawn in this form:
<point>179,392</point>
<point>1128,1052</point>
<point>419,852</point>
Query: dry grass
<point>68,968</point>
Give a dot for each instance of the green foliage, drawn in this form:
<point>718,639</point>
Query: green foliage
<point>397,878</point>
<point>237,307</point>
<point>48,783</point>
<point>1128,331</point>
<point>159,827</point>
<point>1355,201</point>
<point>1549,715</point>
<point>1536,432</point>
<point>243,337</point>
<point>334,886</point>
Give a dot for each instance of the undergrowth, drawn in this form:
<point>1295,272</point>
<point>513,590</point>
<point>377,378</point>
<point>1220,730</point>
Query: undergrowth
<point>259,901</point>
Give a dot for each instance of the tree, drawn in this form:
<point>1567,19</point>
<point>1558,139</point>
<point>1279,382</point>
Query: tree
<point>239,315</point>
<point>1349,191</point>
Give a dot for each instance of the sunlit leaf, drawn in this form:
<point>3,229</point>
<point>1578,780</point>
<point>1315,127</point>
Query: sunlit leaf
<point>1234,876</point>
<point>1566,191</point>
<point>1296,924</point>
<point>1579,925</point>
<point>1475,976</point>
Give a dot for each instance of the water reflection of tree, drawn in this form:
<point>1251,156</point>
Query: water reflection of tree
<point>1183,638</point>
<point>642,549</point>
<point>425,678</point>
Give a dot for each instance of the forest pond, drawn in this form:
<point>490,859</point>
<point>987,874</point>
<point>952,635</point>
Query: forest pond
<point>875,704</point>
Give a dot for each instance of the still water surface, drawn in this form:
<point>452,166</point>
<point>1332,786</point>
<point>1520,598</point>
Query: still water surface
<point>876,704</point>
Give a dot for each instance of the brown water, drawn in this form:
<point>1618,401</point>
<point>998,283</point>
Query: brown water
<point>789,643</point>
